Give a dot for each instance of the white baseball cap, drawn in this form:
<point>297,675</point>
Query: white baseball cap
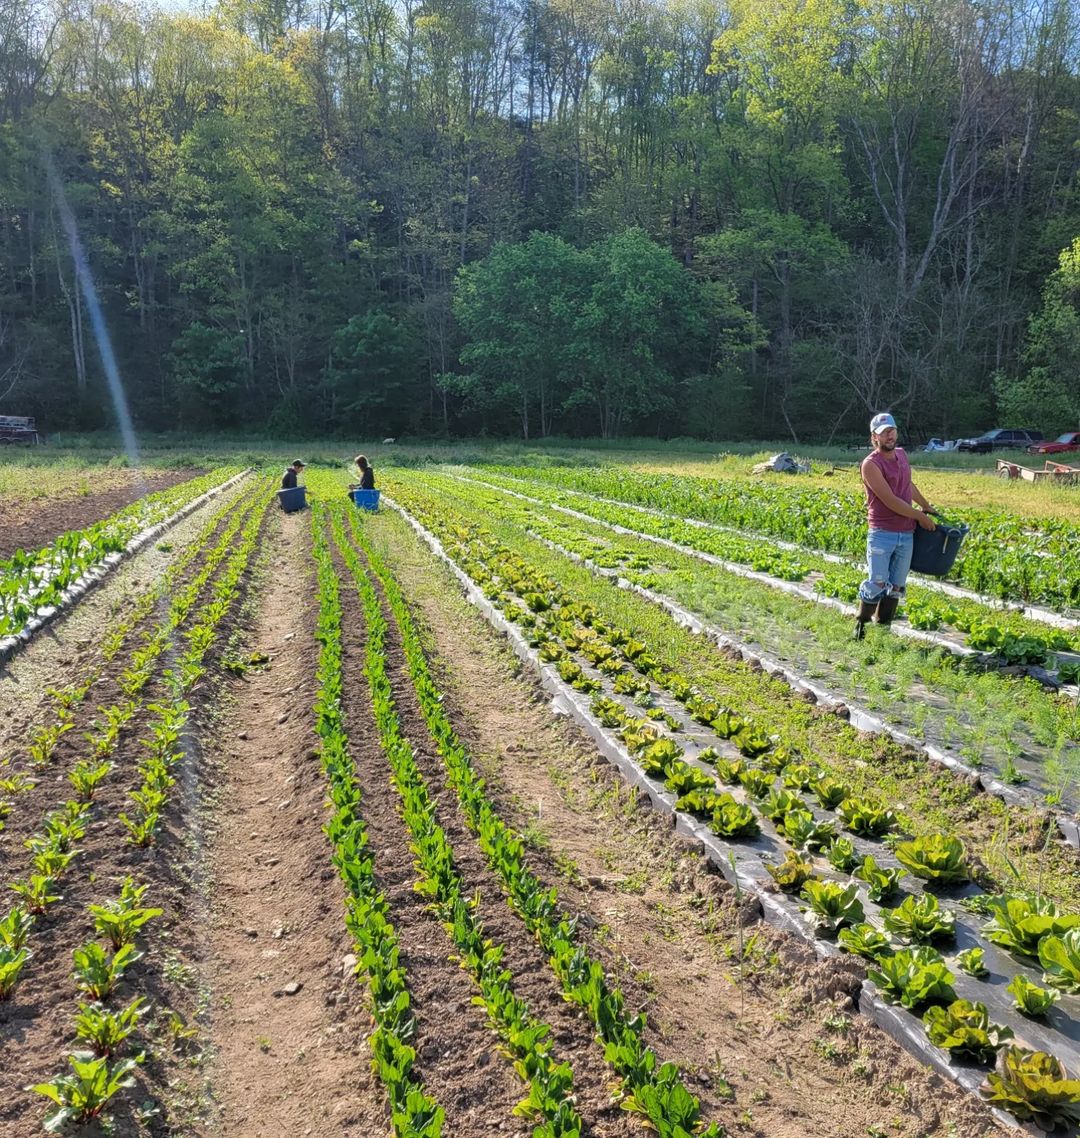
<point>882,422</point>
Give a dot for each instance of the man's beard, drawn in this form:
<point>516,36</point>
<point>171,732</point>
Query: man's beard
<point>883,445</point>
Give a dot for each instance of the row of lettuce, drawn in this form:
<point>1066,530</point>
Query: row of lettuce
<point>1015,639</point>
<point>168,631</point>
<point>615,668</point>
<point>1013,726</point>
<point>1005,555</point>
<point>648,1087</point>
<point>31,580</point>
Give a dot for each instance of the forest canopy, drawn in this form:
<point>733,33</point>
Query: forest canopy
<point>757,218</point>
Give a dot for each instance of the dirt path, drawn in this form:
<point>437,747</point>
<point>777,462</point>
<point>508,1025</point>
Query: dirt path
<point>769,1033</point>
<point>285,1065</point>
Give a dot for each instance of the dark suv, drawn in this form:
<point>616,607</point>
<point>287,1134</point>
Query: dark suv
<point>1001,438</point>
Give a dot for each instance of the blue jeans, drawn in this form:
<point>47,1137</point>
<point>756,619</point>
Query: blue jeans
<point>888,559</point>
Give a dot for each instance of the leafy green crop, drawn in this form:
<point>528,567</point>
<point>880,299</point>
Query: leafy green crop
<point>920,920</point>
<point>833,905</point>
<point>1033,1086</point>
<point>792,873</point>
<point>84,1094</point>
<point>914,977</point>
<point>1019,923</point>
<point>881,883</point>
<point>964,1029</point>
<point>971,962</point>
<point>866,818</point>
<point>864,940</point>
<point>1060,958</point>
<point>935,858</point>
<point>1030,998</point>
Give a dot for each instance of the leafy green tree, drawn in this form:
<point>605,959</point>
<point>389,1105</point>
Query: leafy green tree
<point>517,309</point>
<point>1047,395</point>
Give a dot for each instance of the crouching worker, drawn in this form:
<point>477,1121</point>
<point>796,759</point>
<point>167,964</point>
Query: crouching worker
<point>288,479</point>
<point>891,517</point>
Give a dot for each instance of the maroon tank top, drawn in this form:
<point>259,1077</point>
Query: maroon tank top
<point>898,479</point>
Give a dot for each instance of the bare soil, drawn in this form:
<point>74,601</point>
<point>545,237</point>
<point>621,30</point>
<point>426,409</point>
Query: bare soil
<point>32,523</point>
<point>769,1033</point>
<point>284,1065</point>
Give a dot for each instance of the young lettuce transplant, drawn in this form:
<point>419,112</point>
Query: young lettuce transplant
<point>1029,998</point>
<point>1033,1086</point>
<point>935,858</point>
<point>864,940</point>
<point>914,977</point>
<point>792,873</point>
<point>867,818</point>
<point>1060,958</point>
<point>1019,923</point>
<point>964,1029</point>
<point>881,883</point>
<point>833,905</point>
<point>920,920</point>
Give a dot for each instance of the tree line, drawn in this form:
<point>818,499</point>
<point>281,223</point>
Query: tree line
<point>749,218</point>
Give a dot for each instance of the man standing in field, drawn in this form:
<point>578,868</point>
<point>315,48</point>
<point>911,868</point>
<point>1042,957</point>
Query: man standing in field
<point>288,479</point>
<point>891,518</point>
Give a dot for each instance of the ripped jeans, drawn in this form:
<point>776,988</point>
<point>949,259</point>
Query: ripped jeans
<point>888,559</point>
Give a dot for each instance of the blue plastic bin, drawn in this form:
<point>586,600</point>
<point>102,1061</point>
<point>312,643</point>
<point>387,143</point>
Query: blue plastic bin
<point>365,499</point>
<point>292,499</point>
<point>935,551</point>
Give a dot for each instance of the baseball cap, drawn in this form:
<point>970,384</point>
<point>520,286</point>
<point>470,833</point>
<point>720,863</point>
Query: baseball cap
<point>299,462</point>
<point>882,422</point>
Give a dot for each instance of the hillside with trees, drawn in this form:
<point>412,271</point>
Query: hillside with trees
<point>758,218</point>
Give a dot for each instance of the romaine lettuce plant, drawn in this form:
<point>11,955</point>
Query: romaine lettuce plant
<point>964,1029</point>
<point>1033,1086</point>
<point>833,905</point>
<point>1019,923</point>
<point>864,940</point>
<point>1060,958</point>
<point>881,883</point>
<point>792,873</point>
<point>920,920</point>
<point>914,977</point>
<point>866,818</point>
<point>971,961</point>
<point>1029,998</point>
<point>936,858</point>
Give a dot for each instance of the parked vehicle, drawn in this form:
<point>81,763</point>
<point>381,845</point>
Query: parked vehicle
<point>1001,438</point>
<point>1070,440</point>
<point>18,429</point>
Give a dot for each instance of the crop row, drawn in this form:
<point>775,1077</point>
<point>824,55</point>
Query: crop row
<point>33,580</point>
<point>1031,1084</point>
<point>1004,556</point>
<point>650,1088</point>
<point>993,718</point>
<point>97,1076</point>
<point>1009,636</point>
<point>414,1113</point>
<point>549,1082</point>
<point>55,845</point>
<point>155,644</point>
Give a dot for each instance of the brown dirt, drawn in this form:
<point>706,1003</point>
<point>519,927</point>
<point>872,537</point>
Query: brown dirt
<point>32,523</point>
<point>767,1030</point>
<point>284,1065</point>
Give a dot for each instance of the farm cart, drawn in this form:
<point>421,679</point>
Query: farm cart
<point>1051,472</point>
<point>18,429</point>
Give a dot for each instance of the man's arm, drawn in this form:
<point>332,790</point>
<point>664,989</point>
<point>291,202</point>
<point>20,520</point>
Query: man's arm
<point>917,496</point>
<point>873,478</point>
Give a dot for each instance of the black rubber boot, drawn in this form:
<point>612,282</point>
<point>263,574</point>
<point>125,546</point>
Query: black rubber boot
<point>863,616</point>
<point>887,607</point>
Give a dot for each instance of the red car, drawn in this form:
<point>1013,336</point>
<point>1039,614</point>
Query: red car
<point>1068,441</point>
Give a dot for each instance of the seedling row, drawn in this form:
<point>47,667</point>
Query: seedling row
<point>125,792</point>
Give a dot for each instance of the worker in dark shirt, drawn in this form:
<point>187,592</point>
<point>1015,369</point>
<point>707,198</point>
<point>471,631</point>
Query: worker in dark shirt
<point>367,474</point>
<point>288,479</point>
